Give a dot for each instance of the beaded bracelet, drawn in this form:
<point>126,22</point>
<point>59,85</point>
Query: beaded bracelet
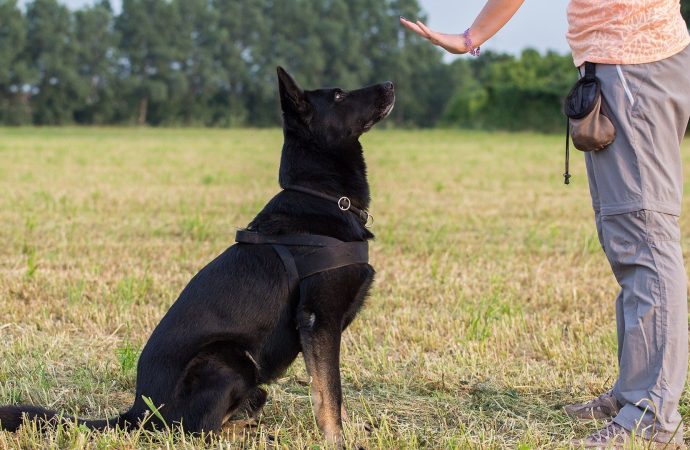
<point>474,51</point>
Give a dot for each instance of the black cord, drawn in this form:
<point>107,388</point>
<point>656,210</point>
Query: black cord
<point>567,175</point>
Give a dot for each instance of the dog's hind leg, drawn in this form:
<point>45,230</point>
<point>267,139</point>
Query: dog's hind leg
<point>251,406</point>
<point>255,401</point>
<point>246,415</point>
<point>211,391</point>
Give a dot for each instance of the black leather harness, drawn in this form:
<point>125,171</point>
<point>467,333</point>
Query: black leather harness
<point>323,252</point>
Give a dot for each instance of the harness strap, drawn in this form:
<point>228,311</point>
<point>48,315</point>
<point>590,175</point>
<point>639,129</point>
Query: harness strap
<point>328,254</point>
<point>290,267</point>
<point>329,258</point>
<point>307,240</point>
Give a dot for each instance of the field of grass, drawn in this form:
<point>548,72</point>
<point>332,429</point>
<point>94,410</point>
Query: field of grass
<point>486,317</point>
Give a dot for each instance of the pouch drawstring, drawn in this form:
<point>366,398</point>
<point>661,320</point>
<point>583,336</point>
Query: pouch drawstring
<point>567,175</point>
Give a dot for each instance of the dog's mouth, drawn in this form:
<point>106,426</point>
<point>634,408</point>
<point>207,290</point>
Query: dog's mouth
<point>386,112</point>
<point>382,115</point>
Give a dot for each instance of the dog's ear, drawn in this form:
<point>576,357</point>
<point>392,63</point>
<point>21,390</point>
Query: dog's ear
<point>291,95</point>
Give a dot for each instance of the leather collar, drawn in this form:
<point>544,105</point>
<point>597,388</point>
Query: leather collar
<point>344,203</point>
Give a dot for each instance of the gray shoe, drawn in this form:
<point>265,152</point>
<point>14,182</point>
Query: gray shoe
<point>614,436</point>
<point>601,408</point>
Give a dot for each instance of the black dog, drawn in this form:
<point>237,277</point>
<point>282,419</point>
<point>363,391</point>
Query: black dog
<point>244,318</point>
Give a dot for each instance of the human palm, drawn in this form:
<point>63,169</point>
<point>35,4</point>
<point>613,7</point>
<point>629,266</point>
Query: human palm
<point>452,43</point>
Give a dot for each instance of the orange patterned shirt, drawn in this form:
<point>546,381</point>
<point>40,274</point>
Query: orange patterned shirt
<point>625,31</point>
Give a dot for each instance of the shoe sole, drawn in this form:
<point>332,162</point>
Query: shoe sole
<point>585,419</point>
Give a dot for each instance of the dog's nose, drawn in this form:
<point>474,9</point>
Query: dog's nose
<point>388,85</point>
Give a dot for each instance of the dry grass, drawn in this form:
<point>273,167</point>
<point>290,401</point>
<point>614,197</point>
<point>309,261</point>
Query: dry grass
<point>486,316</point>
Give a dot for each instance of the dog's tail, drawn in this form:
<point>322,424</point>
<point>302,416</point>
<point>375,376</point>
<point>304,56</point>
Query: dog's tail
<point>12,417</point>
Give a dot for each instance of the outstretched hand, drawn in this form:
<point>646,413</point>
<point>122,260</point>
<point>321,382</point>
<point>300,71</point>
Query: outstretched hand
<point>452,43</point>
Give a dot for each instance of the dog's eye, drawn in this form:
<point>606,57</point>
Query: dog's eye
<point>339,95</point>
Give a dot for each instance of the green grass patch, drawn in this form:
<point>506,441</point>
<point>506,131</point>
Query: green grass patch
<point>493,305</point>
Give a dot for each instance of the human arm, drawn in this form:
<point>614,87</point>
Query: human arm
<point>494,15</point>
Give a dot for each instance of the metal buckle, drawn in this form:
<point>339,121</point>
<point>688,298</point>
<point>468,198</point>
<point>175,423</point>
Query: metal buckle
<point>369,222</point>
<point>344,203</point>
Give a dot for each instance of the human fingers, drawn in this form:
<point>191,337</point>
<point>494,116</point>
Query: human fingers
<point>428,31</point>
<point>452,43</point>
<point>412,27</point>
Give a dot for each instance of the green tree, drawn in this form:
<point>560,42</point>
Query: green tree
<point>341,37</point>
<point>197,38</point>
<point>417,69</point>
<point>148,36</point>
<point>212,63</point>
<point>14,71</point>
<point>52,50</point>
<point>96,57</point>
<point>289,39</point>
<point>513,93</point>
<point>685,10</point>
<point>348,44</point>
<point>468,96</point>
<point>243,91</point>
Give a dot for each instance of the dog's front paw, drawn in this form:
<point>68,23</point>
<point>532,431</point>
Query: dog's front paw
<point>334,438</point>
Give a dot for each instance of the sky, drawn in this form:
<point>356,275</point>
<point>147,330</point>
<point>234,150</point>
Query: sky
<point>540,24</point>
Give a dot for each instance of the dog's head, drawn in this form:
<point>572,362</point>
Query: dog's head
<point>332,117</point>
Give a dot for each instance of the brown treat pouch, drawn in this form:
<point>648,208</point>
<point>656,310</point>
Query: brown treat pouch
<point>590,129</point>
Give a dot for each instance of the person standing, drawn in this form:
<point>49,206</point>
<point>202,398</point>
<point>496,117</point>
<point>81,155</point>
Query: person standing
<point>642,58</point>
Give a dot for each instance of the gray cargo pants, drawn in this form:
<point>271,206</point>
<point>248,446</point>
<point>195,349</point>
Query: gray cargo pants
<point>636,186</point>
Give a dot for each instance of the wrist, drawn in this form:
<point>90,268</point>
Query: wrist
<point>471,42</point>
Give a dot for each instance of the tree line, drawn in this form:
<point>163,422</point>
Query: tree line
<point>212,63</point>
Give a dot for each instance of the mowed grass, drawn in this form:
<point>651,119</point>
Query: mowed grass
<point>493,305</point>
